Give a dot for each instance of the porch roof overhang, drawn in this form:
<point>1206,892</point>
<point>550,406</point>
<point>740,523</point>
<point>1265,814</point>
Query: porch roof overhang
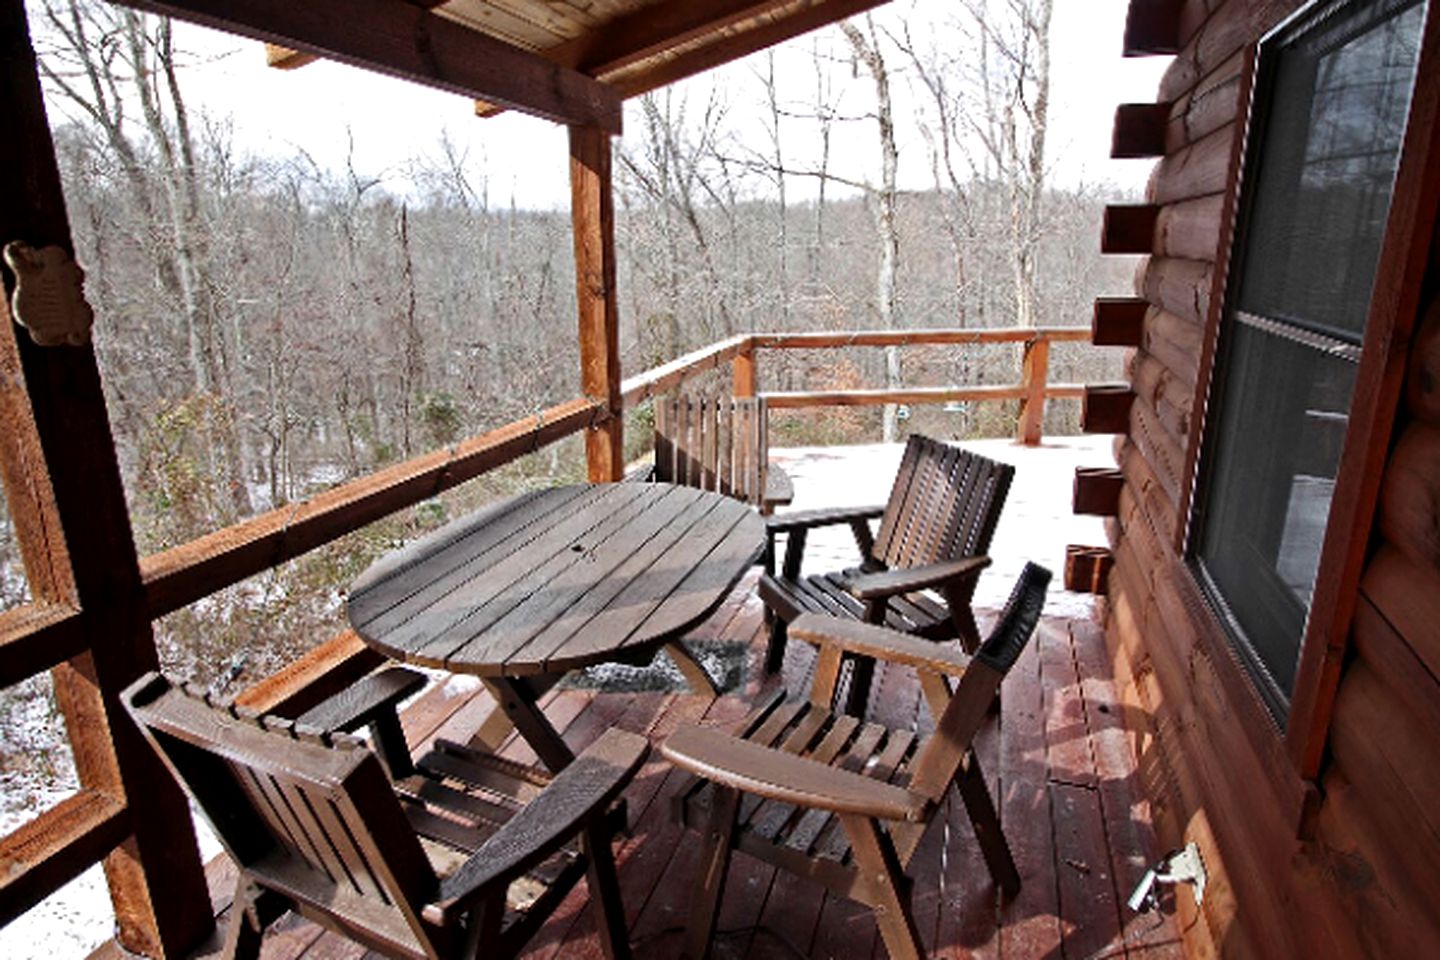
<point>569,61</point>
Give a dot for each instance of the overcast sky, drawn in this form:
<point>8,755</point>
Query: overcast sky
<point>389,121</point>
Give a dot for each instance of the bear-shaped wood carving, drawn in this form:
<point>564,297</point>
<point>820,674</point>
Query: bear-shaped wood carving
<point>49,298</point>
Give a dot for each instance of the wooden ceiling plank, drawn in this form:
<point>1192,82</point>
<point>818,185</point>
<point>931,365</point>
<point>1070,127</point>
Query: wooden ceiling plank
<point>740,44</point>
<point>651,31</point>
<point>402,40</point>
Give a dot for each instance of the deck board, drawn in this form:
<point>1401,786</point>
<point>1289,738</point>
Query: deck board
<point>1059,761</point>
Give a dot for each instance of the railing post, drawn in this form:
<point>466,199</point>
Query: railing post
<point>1033,378</point>
<point>592,211</point>
<point>78,547</point>
<point>744,373</point>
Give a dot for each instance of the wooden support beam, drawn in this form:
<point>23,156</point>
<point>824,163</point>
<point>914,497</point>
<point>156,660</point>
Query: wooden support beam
<point>1097,491</point>
<point>1152,27</point>
<point>641,33</point>
<point>1105,408</point>
<point>1035,370</point>
<point>592,211</point>
<point>1087,569</point>
<point>1118,321</point>
<point>902,338</point>
<point>157,884</point>
<point>283,58</point>
<point>870,398</point>
<point>1129,228</point>
<point>744,378</point>
<point>1139,130</point>
<point>407,41</point>
<point>736,45</point>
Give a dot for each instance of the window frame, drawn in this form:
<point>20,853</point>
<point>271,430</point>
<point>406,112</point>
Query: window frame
<point>1393,313</point>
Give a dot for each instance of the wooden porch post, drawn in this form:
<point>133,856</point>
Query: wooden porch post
<point>743,373</point>
<point>63,481</point>
<point>1032,408</point>
<point>592,211</point>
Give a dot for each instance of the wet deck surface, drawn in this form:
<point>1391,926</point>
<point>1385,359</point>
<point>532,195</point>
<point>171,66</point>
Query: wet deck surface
<point>1065,782</point>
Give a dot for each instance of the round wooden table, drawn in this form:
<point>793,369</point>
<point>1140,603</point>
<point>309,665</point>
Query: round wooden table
<point>527,590</point>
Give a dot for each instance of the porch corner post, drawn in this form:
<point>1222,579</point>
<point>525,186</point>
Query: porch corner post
<point>592,212</point>
<point>59,467</point>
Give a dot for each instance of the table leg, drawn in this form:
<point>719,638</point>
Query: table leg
<point>696,675</point>
<point>519,698</point>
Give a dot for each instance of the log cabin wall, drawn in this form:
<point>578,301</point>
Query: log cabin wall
<point>1364,883</point>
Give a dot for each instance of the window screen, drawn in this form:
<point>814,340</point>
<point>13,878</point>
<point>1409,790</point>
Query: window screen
<point>1332,97</point>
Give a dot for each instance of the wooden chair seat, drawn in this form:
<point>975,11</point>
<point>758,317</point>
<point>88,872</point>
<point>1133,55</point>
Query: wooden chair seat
<point>842,801</point>
<point>462,853</point>
<point>934,532</point>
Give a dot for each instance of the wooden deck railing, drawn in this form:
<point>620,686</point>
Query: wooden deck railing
<point>49,850</point>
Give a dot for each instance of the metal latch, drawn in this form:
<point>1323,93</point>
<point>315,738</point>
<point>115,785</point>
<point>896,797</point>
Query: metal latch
<point>1177,866</point>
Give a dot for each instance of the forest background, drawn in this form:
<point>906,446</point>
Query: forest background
<point>272,322</point>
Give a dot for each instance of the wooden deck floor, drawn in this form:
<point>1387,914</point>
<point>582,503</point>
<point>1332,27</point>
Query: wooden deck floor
<point>1066,784</point>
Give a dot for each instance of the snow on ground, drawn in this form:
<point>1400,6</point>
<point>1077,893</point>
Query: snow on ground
<point>1036,524</point>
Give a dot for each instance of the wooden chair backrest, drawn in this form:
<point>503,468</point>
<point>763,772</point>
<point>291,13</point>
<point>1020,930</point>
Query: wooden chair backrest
<point>318,822</point>
<point>944,505</point>
<point>720,444</point>
<point>945,750</point>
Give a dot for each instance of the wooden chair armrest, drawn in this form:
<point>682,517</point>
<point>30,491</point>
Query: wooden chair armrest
<point>779,488</point>
<point>362,702</point>
<point>889,583</point>
<point>880,643</point>
<point>776,775</point>
<point>578,794</point>
<point>808,519</point>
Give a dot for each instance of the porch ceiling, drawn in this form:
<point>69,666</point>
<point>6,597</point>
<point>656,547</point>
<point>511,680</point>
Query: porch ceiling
<point>632,46</point>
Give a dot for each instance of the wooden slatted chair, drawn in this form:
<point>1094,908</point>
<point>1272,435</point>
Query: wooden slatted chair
<point>844,802</point>
<point>934,532</point>
<point>471,853</point>
<point>719,444</point>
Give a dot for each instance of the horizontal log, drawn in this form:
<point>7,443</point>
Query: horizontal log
<point>1213,103</point>
<point>1410,495</point>
<point>1129,228</point>
<point>186,573</point>
<point>1199,169</point>
<point>1162,451</point>
<point>406,41</point>
<point>1096,491</point>
<point>1087,569</point>
<point>35,637</point>
<point>49,851</point>
<point>1407,595</point>
<point>1231,27</point>
<point>1190,230</point>
<point>1152,27</point>
<point>1175,342</point>
<point>1395,662</point>
<point>1180,286</point>
<point>1118,321</point>
<point>1422,389</point>
<point>1146,493</point>
<point>1170,397</point>
<point>667,377</point>
<point>1392,908</point>
<point>321,672</point>
<point>1105,408</point>
<point>903,338</point>
<point>1139,130</point>
<point>1370,720</point>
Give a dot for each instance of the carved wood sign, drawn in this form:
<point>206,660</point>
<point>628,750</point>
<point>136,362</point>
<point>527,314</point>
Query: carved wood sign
<point>49,298</point>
